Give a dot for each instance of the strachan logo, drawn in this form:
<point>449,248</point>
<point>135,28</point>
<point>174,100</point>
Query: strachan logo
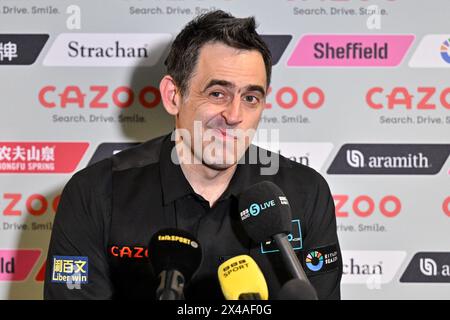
<point>311,154</point>
<point>428,267</point>
<point>372,268</point>
<point>107,49</point>
<point>390,159</point>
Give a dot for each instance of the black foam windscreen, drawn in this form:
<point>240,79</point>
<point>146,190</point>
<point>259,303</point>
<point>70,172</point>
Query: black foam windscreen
<point>174,249</point>
<point>264,211</point>
<point>297,289</point>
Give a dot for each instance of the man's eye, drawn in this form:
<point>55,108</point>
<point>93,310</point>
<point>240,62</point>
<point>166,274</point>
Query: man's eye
<point>251,99</point>
<point>216,94</point>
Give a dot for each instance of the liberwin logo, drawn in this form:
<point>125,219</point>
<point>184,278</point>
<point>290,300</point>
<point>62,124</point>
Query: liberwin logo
<point>428,267</point>
<point>107,49</point>
<point>390,159</point>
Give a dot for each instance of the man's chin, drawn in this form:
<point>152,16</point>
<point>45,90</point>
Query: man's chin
<point>218,165</point>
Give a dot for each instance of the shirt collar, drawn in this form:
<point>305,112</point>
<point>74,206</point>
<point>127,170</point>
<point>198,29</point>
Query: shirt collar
<point>175,185</point>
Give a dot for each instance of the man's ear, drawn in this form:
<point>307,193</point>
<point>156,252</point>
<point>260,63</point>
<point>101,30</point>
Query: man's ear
<point>170,95</point>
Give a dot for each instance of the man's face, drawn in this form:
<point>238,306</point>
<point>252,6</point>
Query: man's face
<point>224,99</point>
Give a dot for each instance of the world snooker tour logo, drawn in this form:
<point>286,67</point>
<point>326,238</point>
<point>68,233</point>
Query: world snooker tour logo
<point>321,259</point>
<point>314,261</point>
<point>445,49</point>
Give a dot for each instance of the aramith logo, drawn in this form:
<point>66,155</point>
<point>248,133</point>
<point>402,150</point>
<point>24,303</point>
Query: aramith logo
<point>390,159</point>
<point>428,267</point>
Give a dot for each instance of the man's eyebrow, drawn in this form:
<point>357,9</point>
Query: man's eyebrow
<point>228,84</point>
<point>255,87</point>
<point>223,83</point>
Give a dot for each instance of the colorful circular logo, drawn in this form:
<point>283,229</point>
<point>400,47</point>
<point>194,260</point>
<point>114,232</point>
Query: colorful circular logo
<point>314,261</point>
<point>445,49</point>
<point>254,209</point>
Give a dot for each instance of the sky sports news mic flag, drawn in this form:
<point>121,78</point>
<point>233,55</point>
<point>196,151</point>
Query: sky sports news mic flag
<point>266,215</point>
<point>241,279</point>
<point>175,256</point>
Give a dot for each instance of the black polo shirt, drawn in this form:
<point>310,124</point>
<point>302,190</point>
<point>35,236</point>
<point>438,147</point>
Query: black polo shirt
<point>109,211</point>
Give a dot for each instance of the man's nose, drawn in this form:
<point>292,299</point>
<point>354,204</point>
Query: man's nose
<point>233,112</point>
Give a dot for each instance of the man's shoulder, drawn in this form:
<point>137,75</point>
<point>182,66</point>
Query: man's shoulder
<point>144,154</point>
<point>100,173</point>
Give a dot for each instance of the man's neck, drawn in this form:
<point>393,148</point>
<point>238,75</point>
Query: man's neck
<point>208,182</point>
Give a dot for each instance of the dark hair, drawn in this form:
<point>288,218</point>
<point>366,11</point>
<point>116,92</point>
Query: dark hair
<point>214,26</point>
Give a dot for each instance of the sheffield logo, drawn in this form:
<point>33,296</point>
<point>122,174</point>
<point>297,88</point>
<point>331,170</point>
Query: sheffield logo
<point>70,269</point>
<point>21,49</point>
<point>41,157</point>
<point>428,267</point>
<point>107,49</point>
<point>16,265</point>
<point>390,159</point>
<point>328,50</point>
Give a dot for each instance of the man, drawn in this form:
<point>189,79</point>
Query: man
<point>218,77</point>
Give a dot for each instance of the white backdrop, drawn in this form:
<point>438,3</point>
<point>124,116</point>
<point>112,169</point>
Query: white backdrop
<point>360,92</point>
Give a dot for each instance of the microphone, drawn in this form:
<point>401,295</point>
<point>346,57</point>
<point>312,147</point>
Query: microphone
<point>241,279</point>
<point>265,215</point>
<point>296,289</point>
<point>175,255</point>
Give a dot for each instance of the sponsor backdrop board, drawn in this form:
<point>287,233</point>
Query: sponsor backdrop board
<point>360,92</point>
